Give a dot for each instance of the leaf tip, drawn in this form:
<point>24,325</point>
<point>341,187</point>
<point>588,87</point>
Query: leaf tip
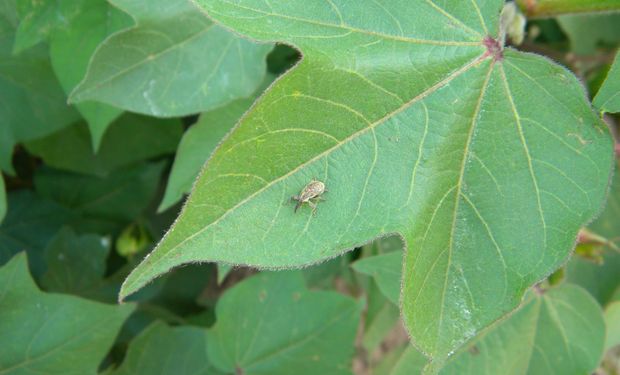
<point>77,95</point>
<point>129,286</point>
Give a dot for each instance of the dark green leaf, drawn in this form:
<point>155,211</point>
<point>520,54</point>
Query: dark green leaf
<point>608,97</point>
<point>71,48</point>
<point>130,139</point>
<point>386,269</point>
<point>174,62</point>
<point>182,288</point>
<point>75,264</point>
<point>325,275</point>
<point>104,204</point>
<point>486,161</point>
<point>44,333</point>
<point>163,350</point>
<point>271,324</point>
<point>2,199</point>
<point>30,223</point>
<point>33,103</point>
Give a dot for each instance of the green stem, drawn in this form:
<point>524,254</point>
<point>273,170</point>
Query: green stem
<point>550,8</point>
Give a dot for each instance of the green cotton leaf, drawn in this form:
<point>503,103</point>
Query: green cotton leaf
<point>271,323</point>
<point>33,103</point>
<point>559,332</point>
<point>380,319</point>
<point>387,362</point>
<point>29,225</point>
<point>601,280</point>
<point>158,348</point>
<point>129,140</point>
<point>486,161</point>
<point>587,32</point>
<point>612,319</point>
<point>411,361</point>
<point>607,224</point>
<point>2,199</point>
<point>608,97</point>
<point>197,145</point>
<point>71,48</point>
<point>222,271</point>
<point>75,264</point>
<point>38,19</point>
<point>43,333</point>
<point>385,269</point>
<point>106,202</point>
<point>174,62</point>
<point>331,274</point>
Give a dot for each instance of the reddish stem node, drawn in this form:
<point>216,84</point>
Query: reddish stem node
<point>494,48</point>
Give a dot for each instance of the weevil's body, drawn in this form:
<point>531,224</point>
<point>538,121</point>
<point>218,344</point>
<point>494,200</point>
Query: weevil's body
<point>312,191</point>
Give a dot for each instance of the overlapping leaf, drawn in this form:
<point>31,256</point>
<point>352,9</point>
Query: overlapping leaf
<point>612,318</point>
<point>2,199</point>
<point>272,324</point>
<point>33,103</point>
<point>37,19</point>
<point>608,97</point>
<point>601,280</point>
<point>75,264</point>
<point>174,62</point>
<point>104,205</point>
<point>385,269</point>
<point>159,350</point>
<point>71,48</point>
<point>42,333</point>
<point>485,160</point>
<point>30,223</point>
<point>129,140</point>
<point>559,332</point>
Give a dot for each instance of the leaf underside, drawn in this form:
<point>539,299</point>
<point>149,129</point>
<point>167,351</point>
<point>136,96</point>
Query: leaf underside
<point>486,162</point>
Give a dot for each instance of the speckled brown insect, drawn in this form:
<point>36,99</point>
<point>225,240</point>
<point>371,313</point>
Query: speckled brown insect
<point>311,192</point>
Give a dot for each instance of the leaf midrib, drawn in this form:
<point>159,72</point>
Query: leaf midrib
<point>473,63</point>
<point>458,192</point>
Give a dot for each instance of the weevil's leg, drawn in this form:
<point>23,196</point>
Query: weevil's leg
<point>313,206</point>
<point>299,203</point>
